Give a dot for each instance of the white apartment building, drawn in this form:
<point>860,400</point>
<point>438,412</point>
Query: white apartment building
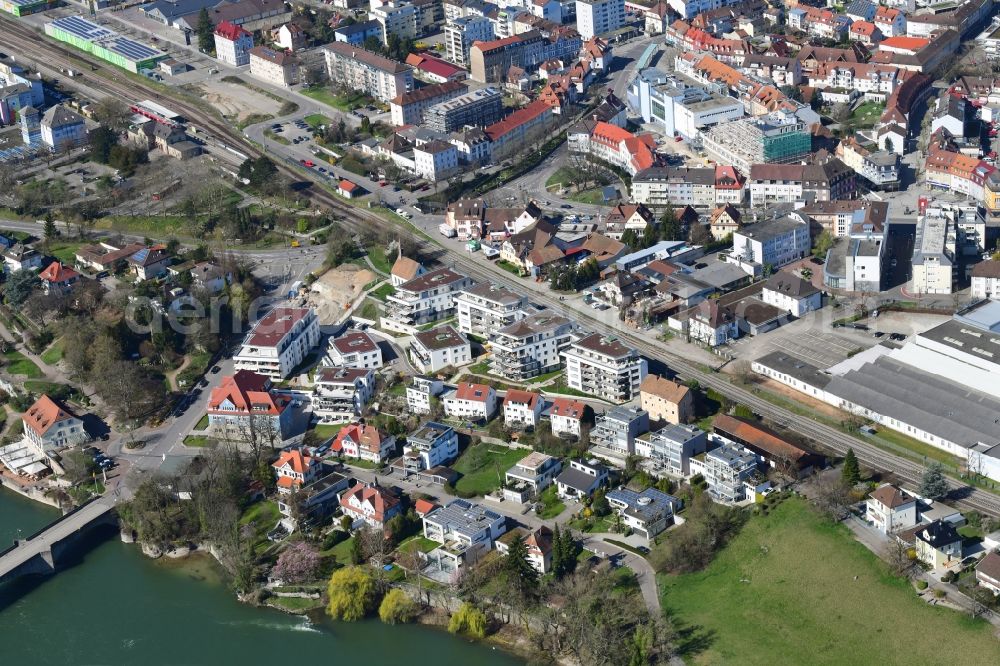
<point>427,298</point>
<point>776,242</point>
<point>566,416</point>
<point>419,394</point>
<point>435,160</point>
<point>439,348</point>
<point>688,9</point>
<point>531,346</point>
<point>597,17</point>
<point>232,44</point>
<point>466,532</point>
<point>488,307</point>
<point>279,342</point>
<point>604,367</point>
<point>396,18</point>
<point>522,408</point>
<point>431,445</point>
<point>275,67</point>
<point>461,33</point>
<point>340,394</point>
<point>673,447</point>
<point>727,468</point>
<point>530,476</point>
<point>550,10</point>
<point>471,401</point>
<point>367,72</point>
<point>354,349</point>
<point>986,280</point>
<point>792,293</point>
<point>684,186</point>
<point>934,255</point>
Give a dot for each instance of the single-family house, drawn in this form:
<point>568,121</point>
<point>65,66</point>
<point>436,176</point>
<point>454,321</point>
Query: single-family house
<point>666,400</point>
<point>889,509</point>
<point>647,513</point>
<point>938,544</point>
<point>988,572</point>
<point>150,262</point>
<point>57,278</point>
<point>371,504</point>
<point>365,442</point>
<point>21,257</point>
<point>566,417</point>
<point>538,544</point>
<point>247,403</point>
<point>471,401</point>
<point>466,532</point>
<point>431,445</point>
<point>581,479</point>
<point>522,408</point>
<point>530,476</point>
<point>790,292</point>
<point>294,470</point>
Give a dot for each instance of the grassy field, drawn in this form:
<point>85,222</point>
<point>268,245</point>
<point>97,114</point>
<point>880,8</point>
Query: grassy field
<point>866,114</point>
<point>594,196</point>
<point>54,353</point>
<point>316,120</point>
<point>64,251</point>
<point>17,363</point>
<point>483,467</point>
<point>382,293</point>
<point>263,515</point>
<point>562,176</point>
<point>202,423</point>
<point>795,589</point>
<point>327,96</point>
<point>324,430</point>
<point>197,441</point>
<point>382,263</point>
<point>368,310</point>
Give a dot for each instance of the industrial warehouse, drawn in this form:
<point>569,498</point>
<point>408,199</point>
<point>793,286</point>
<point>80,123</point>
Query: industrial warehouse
<point>104,43</point>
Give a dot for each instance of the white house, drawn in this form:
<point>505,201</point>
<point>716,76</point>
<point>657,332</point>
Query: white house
<point>471,401</point>
<point>775,243</point>
<point>522,408</point>
<point>604,367</point>
<point>466,530</point>
<point>431,445</point>
<point>986,280</point>
<point>530,476</point>
<point>792,293</point>
<point>365,442</point>
<point>354,349</point>
<point>439,348</point>
<point>566,416</point>
<point>647,513</point>
<point>279,342</point>
<point>48,424</point>
<point>419,394</point>
<point>341,394</point>
<point>581,479</point>
<point>371,504</point>
<point>889,509</point>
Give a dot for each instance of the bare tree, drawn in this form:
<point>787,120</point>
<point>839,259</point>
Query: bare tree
<point>896,553</point>
<point>258,433</point>
<point>831,495</point>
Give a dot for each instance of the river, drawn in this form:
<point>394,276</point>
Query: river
<point>117,607</point>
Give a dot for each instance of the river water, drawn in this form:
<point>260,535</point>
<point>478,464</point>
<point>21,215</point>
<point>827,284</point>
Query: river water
<point>116,606</point>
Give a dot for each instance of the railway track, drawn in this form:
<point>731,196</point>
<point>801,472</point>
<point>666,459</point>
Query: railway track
<point>27,39</point>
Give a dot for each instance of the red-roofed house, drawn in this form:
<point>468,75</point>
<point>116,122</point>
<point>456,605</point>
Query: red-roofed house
<point>890,21</point>
<point>294,469</point>
<point>566,416</point>
<point>48,425</point>
<point>522,408</point>
<point>365,442</point>
<point>865,32</point>
<point>538,544</point>
<point>614,145</point>
<point>348,189</point>
<point>903,45</point>
<point>374,505</point>
<point>434,69</point>
<point>58,278</point>
<point>471,401</point>
<point>246,403</point>
<point>422,507</point>
<point>232,44</point>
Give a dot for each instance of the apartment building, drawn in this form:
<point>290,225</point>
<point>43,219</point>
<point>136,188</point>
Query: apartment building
<point>666,400</point>
<point>788,183</point>
<point>466,532</point>
<point>618,428</point>
<point>673,447</point>
<point>433,444</point>
<point>420,392</point>
<point>531,346</point>
<point>705,187</point>
<point>604,367</point>
<point>614,145</point>
<point>62,129</point>
<point>275,67</point>
<point>599,17</point>
<point>247,402</point>
<point>408,108</point>
<point>367,72</point>
<point>340,394</point>
<point>775,242</point>
<point>727,468</point>
<point>396,18</point>
<point>779,137</point>
<point>530,476</point>
<point>688,9</point>
<point>476,402</point>
<point>353,349</point>
<point>646,513</point>
<point>50,425</point>
<point>488,307</point>
<point>986,280</point>
<point>279,342</point>
<point>462,32</point>
<point>934,263</point>
<point>435,160</point>
<point>232,44</point>
<point>427,298</point>
<point>478,108</point>
<point>489,62</point>
<point>439,348</point>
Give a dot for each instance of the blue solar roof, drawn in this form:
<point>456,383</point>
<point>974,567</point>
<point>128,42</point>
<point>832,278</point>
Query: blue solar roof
<point>141,255</point>
<point>83,28</point>
<point>131,49</point>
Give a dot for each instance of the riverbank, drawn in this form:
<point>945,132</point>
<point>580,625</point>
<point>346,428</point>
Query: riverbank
<point>32,492</point>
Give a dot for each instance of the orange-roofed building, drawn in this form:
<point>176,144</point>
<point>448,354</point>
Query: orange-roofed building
<point>511,132</point>
<point>48,425</point>
<point>614,145</point>
<point>374,505</point>
<point>348,189</point>
<point>422,507</point>
<point>522,408</point>
<point>566,416</point>
<point>904,45</point>
<point>295,469</point>
<point>957,172</point>
<point>865,32</point>
<point>246,403</point>
<point>58,278</point>
<point>890,21</point>
<point>471,401</point>
<point>365,442</point>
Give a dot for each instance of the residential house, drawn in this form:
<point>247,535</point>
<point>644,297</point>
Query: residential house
<point>725,220</point>
<point>713,323</point>
<point>405,269</point>
<point>581,479</point>
<point>538,542</point>
<point>646,513</point>
<point>790,292</point>
<point>62,129</point>
<point>420,393</point>
<point>618,428</point>
<point>604,367</point>
<point>105,256</point>
<point>408,108</point>
<point>889,509</point>
<point>275,67</point>
<point>476,402</point>
<point>727,469</point>
<point>232,44</point>
<point>466,532</point>
<point>57,278</point>
<point>424,299</point>
<point>530,476</point>
<point>789,459</point>
<point>522,409</point>
<point>673,447</point>
<point>432,445</point>
<point>341,394</point>
<point>666,400</point>
<point>48,425</point>
<point>295,470</point>
<point>291,37</point>
<point>150,262</point>
<point>628,217</point>
<point>21,257</point>
<point>279,342</point>
<point>566,416</point>
<point>938,544</point>
<point>988,572</point>
<point>247,403</point>
<point>372,505</point>
<point>986,280</point>
<point>315,501</point>
<point>438,348</point>
<point>365,442</point>
<point>353,349</point>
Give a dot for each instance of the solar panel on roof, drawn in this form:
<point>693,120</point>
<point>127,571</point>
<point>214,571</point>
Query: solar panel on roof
<point>131,49</point>
<point>82,28</point>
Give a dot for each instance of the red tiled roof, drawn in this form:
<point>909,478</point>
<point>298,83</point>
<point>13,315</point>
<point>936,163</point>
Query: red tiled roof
<point>247,391</point>
<point>517,396</point>
<point>908,43</point>
<point>270,329</point>
<point>57,273</point>
<point>472,392</point>
<point>365,437</point>
<point>423,507</point>
<point>347,185</point>
<point>298,461</point>
<point>568,407</point>
<point>381,500</point>
<point>230,31</point>
<point>44,414</point>
<point>516,119</point>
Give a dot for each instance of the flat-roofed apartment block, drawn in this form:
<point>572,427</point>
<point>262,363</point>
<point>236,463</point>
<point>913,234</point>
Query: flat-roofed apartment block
<point>341,394</point>
<point>353,349</point>
<point>439,348</point>
<point>531,347</point>
<point>673,447</point>
<point>934,255</point>
<point>367,72</point>
<point>478,108</point>
<point>604,367</point>
<point>466,532</point>
<point>424,299</point>
<point>279,342</point>
<point>420,391</point>
<point>780,138</point>
<point>488,307</point>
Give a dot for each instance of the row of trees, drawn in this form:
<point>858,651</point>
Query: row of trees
<point>572,277</point>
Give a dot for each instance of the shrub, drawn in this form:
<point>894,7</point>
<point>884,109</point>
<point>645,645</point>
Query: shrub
<point>939,594</point>
<point>397,607</point>
<point>352,594</point>
<point>468,620</point>
<point>921,585</point>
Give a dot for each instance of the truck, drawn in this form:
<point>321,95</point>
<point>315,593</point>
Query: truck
<point>447,231</point>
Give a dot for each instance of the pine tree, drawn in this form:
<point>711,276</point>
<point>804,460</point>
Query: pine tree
<point>568,550</point>
<point>50,231</point>
<point>558,564</point>
<point>851,473</point>
<point>933,485</point>
<point>206,32</point>
<point>670,228</point>
<point>521,575</point>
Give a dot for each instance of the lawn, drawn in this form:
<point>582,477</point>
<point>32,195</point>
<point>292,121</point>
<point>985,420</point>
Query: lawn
<point>423,544</point>
<point>327,96</point>
<point>368,310</point>
<point>342,551</point>
<point>381,263</point>
<point>64,252</point>
<point>326,430</point>
<point>54,353</point>
<point>202,423</point>
<point>509,267</point>
<point>316,120</point>
<point>562,176</point>
<point>866,114</point>
<point>483,467</point>
<point>383,292</point>
<point>480,368</point>
<point>19,364</point>
<point>295,604</point>
<point>264,515</point>
<point>544,378</point>
<point>552,506</point>
<point>197,441</point>
<point>793,588</point>
<point>594,197</point>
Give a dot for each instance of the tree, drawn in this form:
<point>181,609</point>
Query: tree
<point>933,485</point>
<point>670,227</point>
<point>468,620</point>
<point>49,230</point>
<point>699,234</point>
<point>352,594</point>
<point>897,554</point>
<point>206,32</point>
<point>599,505</point>
<point>397,607</point>
<point>824,241</point>
<point>297,564</point>
<point>851,472</point>
<point>521,577</point>
<point>113,113</point>
<point>831,495</point>
<point>19,286</point>
<point>102,140</point>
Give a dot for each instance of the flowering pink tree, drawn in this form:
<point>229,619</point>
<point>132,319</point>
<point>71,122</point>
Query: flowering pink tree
<point>297,563</point>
